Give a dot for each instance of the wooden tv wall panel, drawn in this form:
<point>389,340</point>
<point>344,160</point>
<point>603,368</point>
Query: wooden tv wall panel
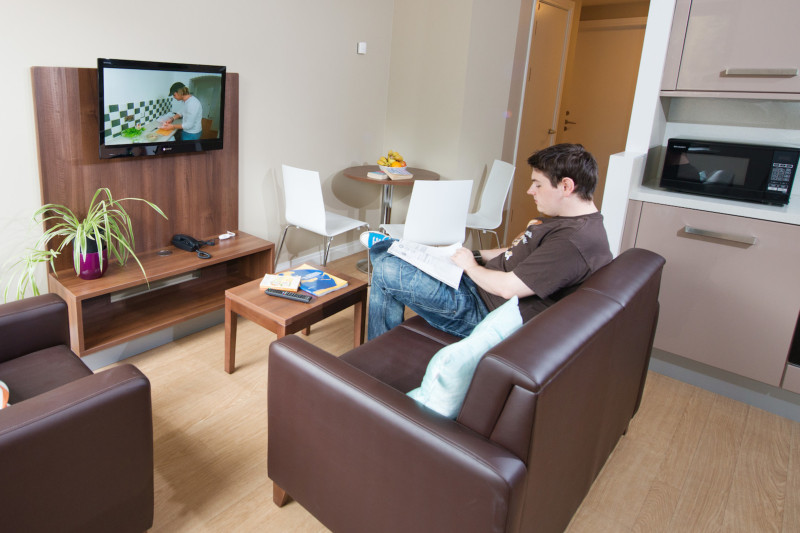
<point>197,191</point>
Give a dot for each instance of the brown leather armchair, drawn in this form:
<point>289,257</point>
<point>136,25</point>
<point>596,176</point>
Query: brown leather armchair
<point>76,448</point>
<point>544,411</point>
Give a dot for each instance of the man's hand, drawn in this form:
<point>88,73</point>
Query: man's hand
<point>504,284</point>
<point>464,259</point>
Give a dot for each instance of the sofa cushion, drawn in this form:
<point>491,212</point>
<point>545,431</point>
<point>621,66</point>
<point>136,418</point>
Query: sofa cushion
<point>400,356</point>
<point>42,371</point>
<point>450,371</point>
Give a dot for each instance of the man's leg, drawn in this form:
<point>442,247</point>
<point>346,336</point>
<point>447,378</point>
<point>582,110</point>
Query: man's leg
<point>397,284</point>
<point>384,311</point>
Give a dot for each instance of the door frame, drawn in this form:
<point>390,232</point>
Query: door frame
<point>519,83</point>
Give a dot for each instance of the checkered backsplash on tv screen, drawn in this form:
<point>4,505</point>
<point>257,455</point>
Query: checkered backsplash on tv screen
<point>118,117</point>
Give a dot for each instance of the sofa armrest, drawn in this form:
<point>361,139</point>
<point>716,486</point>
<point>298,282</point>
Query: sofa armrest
<point>32,324</point>
<point>80,455</point>
<point>362,456</point>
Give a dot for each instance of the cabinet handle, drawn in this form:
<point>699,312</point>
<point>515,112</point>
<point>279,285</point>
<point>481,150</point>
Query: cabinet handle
<point>762,72</point>
<point>741,239</point>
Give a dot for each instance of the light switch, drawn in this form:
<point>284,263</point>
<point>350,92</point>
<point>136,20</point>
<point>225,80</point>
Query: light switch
<point>362,47</point>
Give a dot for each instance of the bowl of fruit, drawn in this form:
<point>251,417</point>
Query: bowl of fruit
<point>393,159</point>
<point>393,166</point>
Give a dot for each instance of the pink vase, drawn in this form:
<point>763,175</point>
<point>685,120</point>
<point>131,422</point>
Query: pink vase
<point>90,265</point>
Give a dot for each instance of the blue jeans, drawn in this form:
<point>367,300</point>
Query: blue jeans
<point>397,284</point>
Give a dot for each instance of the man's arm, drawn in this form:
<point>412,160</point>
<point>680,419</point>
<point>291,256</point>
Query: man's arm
<point>503,284</point>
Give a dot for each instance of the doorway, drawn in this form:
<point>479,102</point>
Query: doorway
<point>598,96</point>
<point>595,95</point>
<point>547,60</point>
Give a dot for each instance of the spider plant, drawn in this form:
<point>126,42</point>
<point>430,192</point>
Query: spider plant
<point>106,226</point>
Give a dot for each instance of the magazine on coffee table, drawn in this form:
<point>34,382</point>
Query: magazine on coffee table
<point>315,281</point>
<point>433,260</point>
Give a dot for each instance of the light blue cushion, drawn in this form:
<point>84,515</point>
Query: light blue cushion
<point>450,371</point>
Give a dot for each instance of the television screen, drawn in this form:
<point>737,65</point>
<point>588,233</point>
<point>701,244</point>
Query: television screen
<point>152,108</point>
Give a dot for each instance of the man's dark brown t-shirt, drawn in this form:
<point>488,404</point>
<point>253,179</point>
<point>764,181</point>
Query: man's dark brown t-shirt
<point>552,257</point>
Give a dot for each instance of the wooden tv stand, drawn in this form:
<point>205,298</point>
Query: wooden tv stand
<point>119,306</point>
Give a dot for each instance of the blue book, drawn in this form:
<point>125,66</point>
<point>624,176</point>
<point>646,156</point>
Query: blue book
<point>315,281</point>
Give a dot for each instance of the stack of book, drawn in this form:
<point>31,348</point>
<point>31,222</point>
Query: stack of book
<point>392,173</point>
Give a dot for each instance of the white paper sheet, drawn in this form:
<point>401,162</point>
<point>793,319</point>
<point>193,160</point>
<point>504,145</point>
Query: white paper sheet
<point>433,260</point>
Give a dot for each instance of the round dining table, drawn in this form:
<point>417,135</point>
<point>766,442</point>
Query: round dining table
<point>360,174</point>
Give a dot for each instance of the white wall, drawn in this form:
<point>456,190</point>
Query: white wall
<point>306,97</point>
<point>626,168</point>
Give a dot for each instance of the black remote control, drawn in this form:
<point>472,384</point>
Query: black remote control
<point>289,295</point>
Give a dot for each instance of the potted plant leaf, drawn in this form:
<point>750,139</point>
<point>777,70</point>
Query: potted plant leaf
<point>105,232</point>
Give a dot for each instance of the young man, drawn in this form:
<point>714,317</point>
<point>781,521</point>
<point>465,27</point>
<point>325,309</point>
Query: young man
<point>542,265</point>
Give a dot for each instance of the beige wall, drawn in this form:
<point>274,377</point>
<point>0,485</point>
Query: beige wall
<point>449,86</point>
<point>306,97</point>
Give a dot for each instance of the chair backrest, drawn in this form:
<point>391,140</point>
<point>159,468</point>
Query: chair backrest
<point>302,192</point>
<point>495,192</point>
<point>437,212</point>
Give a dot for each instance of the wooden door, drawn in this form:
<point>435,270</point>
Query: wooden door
<point>547,59</point>
<point>598,97</point>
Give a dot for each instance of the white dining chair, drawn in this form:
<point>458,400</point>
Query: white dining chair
<point>437,213</point>
<point>305,209</point>
<point>489,215</point>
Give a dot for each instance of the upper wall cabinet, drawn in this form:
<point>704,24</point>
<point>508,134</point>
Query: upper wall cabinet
<point>734,46</point>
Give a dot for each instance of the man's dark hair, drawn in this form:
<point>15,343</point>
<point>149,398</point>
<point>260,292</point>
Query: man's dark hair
<point>567,161</point>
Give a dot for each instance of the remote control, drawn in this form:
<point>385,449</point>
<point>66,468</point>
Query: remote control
<point>289,295</point>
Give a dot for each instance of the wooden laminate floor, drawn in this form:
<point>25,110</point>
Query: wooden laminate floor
<point>691,461</point>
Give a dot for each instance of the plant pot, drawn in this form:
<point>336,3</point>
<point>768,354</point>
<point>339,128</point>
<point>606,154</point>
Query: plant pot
<point>90,265</point>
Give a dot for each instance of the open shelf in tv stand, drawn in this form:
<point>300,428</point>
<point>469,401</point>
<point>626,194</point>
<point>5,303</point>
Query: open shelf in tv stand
<point>98,321</point>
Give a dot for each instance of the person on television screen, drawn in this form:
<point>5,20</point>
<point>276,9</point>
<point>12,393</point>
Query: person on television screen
<point>191,125</point>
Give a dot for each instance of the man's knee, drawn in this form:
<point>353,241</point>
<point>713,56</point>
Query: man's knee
<point>379,252</point>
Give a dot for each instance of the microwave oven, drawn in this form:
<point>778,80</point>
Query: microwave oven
<point>747,172</point>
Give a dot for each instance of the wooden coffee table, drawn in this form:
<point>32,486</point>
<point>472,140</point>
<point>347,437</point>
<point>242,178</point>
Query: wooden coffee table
<point>284,317</point>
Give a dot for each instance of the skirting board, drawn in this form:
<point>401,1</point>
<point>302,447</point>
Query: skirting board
<point>771,399</point>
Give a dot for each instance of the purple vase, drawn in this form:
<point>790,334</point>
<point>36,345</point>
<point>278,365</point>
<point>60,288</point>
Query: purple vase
<point>90,265</point>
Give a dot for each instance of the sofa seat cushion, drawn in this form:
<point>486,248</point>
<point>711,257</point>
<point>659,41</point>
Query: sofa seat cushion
<point>400,357</point>
<point>39,372</point>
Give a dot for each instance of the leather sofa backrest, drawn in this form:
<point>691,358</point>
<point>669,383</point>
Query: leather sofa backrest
<point>561,391</point>
<point>45,324</point>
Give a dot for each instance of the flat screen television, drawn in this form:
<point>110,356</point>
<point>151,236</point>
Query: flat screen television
<point>153,108</point>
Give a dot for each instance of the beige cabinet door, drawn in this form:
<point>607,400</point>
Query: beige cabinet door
<point>725,303</point>
<point>741,46</point>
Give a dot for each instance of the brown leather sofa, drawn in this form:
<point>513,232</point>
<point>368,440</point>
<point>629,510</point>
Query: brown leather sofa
<point>544,410</point>
<point>76,448</point>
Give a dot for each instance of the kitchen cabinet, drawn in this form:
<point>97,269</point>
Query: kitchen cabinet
<point>734,46</point>
<point>730,291</point>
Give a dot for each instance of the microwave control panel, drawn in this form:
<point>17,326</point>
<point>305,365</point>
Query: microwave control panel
<point>782,173</point>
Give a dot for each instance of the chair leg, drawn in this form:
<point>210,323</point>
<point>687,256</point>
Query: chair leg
<point>327,251</point>
<point>280,247</point>
<point>279,496</point>
<point>496,236</point>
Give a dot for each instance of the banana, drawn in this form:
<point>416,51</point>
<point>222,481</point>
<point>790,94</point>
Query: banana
<point>389,158</point>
